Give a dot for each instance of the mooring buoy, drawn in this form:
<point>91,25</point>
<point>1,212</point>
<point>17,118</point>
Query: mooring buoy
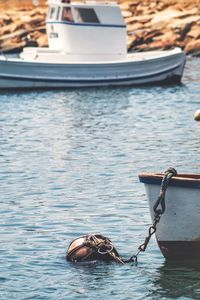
<point>92,247</point>
<point>197,115</point>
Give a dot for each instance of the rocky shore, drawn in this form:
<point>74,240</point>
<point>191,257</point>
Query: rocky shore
<point>22,28</point>
<point>163,24</point>
<point>151,24</point>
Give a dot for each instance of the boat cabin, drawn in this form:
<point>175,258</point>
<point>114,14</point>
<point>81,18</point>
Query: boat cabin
<point>89,30</point>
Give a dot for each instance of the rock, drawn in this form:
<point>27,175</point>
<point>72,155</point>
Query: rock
<point>160,44</point>
<point>193,47</point>
<point>14,47</point>
<point>17,35</point>
<point>182,30</point>
<point>31,43</point>
<point>19,4</point>
<point>141,19</point>
<point>131,28</point>
<point>6,20</point>
<point>42,40</point>
<point>152,5</point>
<point>127,13</point>
<point>197,115</point>
<point>194,32</point>
<point>166,14</point>
<point>131,41</point>
<point>125,6</point>
<point>10,28</point>
<point>168,38</point>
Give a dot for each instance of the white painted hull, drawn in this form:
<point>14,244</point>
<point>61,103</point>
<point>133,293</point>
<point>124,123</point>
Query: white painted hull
<point>137,69</point>
<point>178,232</point>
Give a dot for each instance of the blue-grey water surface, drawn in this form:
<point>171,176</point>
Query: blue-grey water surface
<point>69,165</point>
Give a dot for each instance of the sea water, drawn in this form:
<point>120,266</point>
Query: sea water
<point>69,164</point>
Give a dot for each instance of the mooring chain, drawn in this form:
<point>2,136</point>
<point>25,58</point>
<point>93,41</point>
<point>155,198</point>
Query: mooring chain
<point>103,247</point>
<point>157,212</point>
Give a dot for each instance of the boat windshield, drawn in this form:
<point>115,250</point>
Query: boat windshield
<point>85,15</point>
<point>67,14</point>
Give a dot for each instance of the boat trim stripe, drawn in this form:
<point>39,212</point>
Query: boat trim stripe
<point>86,24</point>
<point>89,80</point>
<point>178,182</point>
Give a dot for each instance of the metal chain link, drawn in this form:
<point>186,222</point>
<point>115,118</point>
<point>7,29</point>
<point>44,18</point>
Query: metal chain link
<point>103,246</point>
<point>168,174</point>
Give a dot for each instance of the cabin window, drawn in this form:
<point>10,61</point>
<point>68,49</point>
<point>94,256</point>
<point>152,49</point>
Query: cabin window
<point>67,14</point>
<point>52,12</point>
<point>86,15</point>
<point>58,14</point>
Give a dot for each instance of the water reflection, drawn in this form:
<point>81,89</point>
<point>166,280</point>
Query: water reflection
<point>69,163</point>
<point>175,280</point>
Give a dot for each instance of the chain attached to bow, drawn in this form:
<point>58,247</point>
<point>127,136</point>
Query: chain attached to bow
<point>168,174</point>
<point>98,247</point>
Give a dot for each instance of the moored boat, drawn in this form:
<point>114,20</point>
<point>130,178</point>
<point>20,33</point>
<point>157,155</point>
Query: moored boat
<point>87,47</point>
<point>178,231</point>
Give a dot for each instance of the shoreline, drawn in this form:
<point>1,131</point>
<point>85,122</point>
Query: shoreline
<point>152,25</point>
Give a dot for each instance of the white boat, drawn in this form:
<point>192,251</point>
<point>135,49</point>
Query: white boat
<point>87,47</point>
<point>178,232</point>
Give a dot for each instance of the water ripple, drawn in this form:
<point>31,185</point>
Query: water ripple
<point>68,165</point>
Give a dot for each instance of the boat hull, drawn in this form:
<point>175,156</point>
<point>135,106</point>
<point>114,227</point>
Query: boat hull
<point>18,73</point>
<point>178,232</point>
<point>180,250</point>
